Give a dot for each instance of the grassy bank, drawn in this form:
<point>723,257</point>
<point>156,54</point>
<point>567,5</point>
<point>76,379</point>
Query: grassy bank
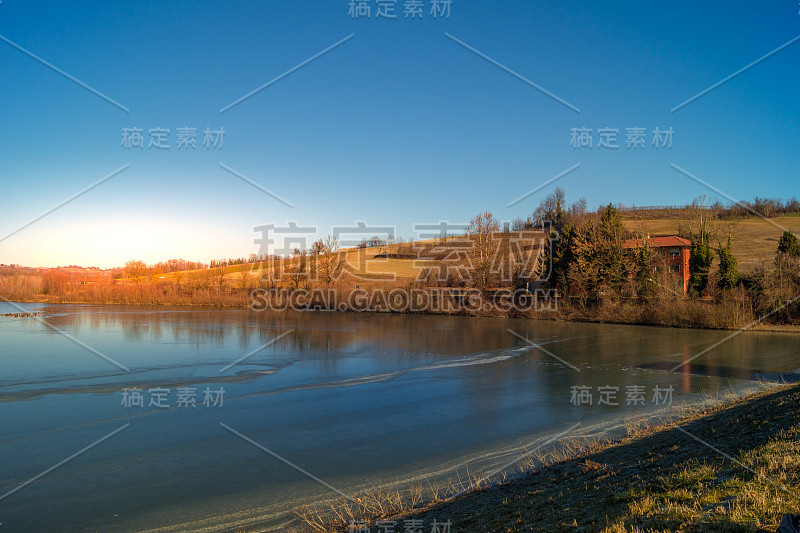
<point>732,468</point>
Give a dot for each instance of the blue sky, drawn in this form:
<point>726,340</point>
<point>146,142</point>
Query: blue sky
<point>398,125</point>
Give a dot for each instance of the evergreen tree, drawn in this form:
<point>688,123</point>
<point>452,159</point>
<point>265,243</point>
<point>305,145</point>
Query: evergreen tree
<point>612,266</point>
<point>700,258</point>
<point>789,244</point>
<point>589,256</point>
<point>645,286</point>
<point>561,247</point>
<point>728,267</point>
<point>587,271</point>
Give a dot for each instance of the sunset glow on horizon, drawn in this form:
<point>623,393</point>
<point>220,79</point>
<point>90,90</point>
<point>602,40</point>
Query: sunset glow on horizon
<point>330,119</point>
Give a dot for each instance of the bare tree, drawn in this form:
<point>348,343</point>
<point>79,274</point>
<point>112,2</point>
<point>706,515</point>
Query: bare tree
<point>244,279</point>
<point>328,259</point>
<point>220,274</point>
<point>297,268</point>
<point>269,272</point>
<point>135,270</point>
<point>578,208</point>
<point>481,232</point>
<point>552,207</point>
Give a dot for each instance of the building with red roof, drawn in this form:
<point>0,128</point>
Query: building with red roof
<point>673,250</point>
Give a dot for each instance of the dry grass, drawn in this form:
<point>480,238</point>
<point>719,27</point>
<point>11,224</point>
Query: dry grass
<point>382,502</point>
<point>657,479</point>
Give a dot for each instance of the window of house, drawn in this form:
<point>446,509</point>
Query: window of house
<point>674,252</point>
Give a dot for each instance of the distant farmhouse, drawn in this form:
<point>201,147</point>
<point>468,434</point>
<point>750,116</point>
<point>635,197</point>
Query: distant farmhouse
<point>673,250</point>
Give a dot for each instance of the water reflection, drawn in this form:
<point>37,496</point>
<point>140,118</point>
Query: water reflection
<point>352,397</point>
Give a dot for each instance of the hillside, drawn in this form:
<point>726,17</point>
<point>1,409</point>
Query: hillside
<point>754,239</point>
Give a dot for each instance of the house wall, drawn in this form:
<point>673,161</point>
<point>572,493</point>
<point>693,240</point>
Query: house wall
<point>685,269</point>
<point>681,261</point>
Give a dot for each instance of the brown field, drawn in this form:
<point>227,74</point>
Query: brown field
<point>361,263</point>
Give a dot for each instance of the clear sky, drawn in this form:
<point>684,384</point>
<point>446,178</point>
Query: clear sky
<point>404,122</point>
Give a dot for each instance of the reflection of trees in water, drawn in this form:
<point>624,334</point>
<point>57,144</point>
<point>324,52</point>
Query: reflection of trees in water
<point>609,354</point>
<point>319,332</point>
<point>327,336</point>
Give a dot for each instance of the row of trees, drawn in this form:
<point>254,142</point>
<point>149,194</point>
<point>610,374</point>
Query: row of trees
<point>139,270</point>
<point>764,207</point>
<point>702,256</point>
<point>555,211</point>
<point>589,260</point>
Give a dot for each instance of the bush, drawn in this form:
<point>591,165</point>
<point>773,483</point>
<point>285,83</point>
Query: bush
<point>789,244</point>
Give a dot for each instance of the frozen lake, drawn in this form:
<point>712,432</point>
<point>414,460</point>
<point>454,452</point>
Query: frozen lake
<point>351,399</point>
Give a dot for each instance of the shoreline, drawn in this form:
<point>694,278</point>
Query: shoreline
<point>759,327</point>
<point>731,467</point>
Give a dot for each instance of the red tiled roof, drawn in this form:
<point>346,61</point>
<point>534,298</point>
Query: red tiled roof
<point>658,242</point>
